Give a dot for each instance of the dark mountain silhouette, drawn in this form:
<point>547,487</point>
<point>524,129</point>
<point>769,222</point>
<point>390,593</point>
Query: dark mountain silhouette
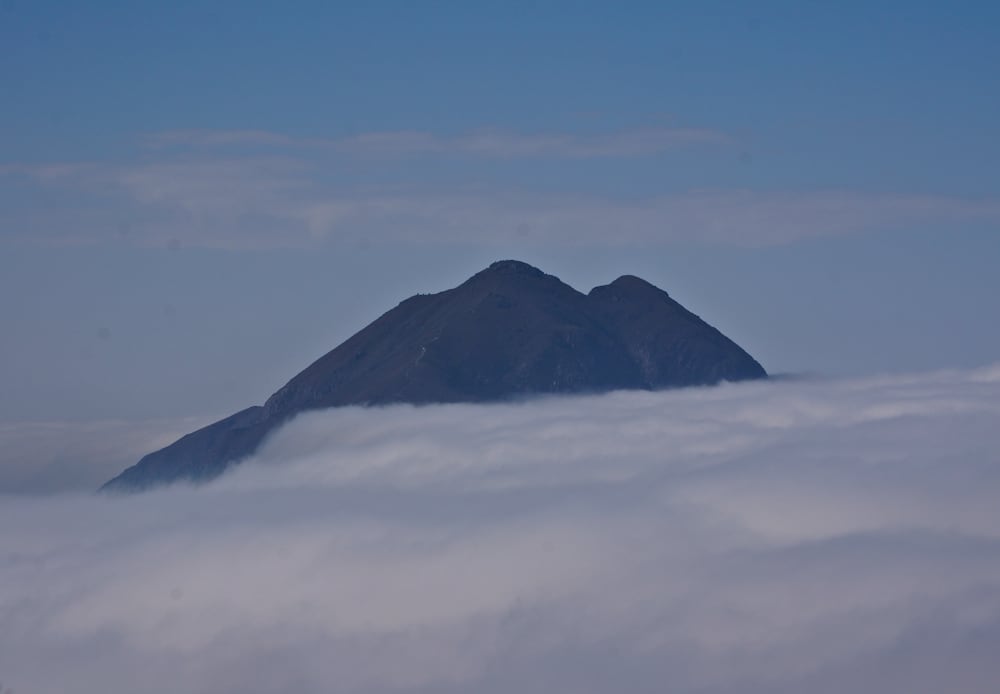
<point>509,331</point>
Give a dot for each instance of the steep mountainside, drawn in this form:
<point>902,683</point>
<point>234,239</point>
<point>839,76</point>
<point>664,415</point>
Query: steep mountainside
<point>510,330</point>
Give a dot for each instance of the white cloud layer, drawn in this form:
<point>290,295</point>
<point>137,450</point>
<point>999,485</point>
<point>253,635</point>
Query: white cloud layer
<point>772,537</point>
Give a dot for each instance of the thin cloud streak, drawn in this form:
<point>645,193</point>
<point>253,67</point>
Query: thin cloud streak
<point>768,537</point>
<point>717,217</point>
<point>490,143</point>
<point>281,201</point>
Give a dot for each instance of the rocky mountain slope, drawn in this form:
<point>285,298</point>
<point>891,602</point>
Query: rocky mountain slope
<point>508,331</point>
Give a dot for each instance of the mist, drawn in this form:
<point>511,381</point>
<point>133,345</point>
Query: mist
<point>791,536</point>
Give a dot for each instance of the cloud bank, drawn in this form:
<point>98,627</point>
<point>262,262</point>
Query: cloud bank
<point>771,537</point>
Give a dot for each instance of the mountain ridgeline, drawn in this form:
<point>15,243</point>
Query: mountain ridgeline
<point>509,331</point>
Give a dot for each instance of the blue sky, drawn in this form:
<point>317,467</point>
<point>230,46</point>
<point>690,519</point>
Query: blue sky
<point>196,199</point>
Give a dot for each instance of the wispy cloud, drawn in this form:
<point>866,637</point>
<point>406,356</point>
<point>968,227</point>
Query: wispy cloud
<point>495,143</point>
<point>220,138</point>
<point>790,537</point>
<point>261,189</point>
<point>728,217</point>
<point>282,201</point>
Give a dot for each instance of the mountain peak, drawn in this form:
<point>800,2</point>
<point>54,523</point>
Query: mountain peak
<point>633,282</point>
<point>509,331</point>
<point>515,277</point>
<point>511,271</point>
<point>514,267</point>
<point>628,288</point>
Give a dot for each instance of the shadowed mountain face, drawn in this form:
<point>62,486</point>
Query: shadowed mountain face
<point>509,331</point>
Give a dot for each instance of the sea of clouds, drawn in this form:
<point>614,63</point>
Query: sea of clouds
<point>790,536</point>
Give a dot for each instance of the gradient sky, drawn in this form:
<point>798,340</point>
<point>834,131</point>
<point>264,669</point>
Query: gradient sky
<point>197,199</point>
